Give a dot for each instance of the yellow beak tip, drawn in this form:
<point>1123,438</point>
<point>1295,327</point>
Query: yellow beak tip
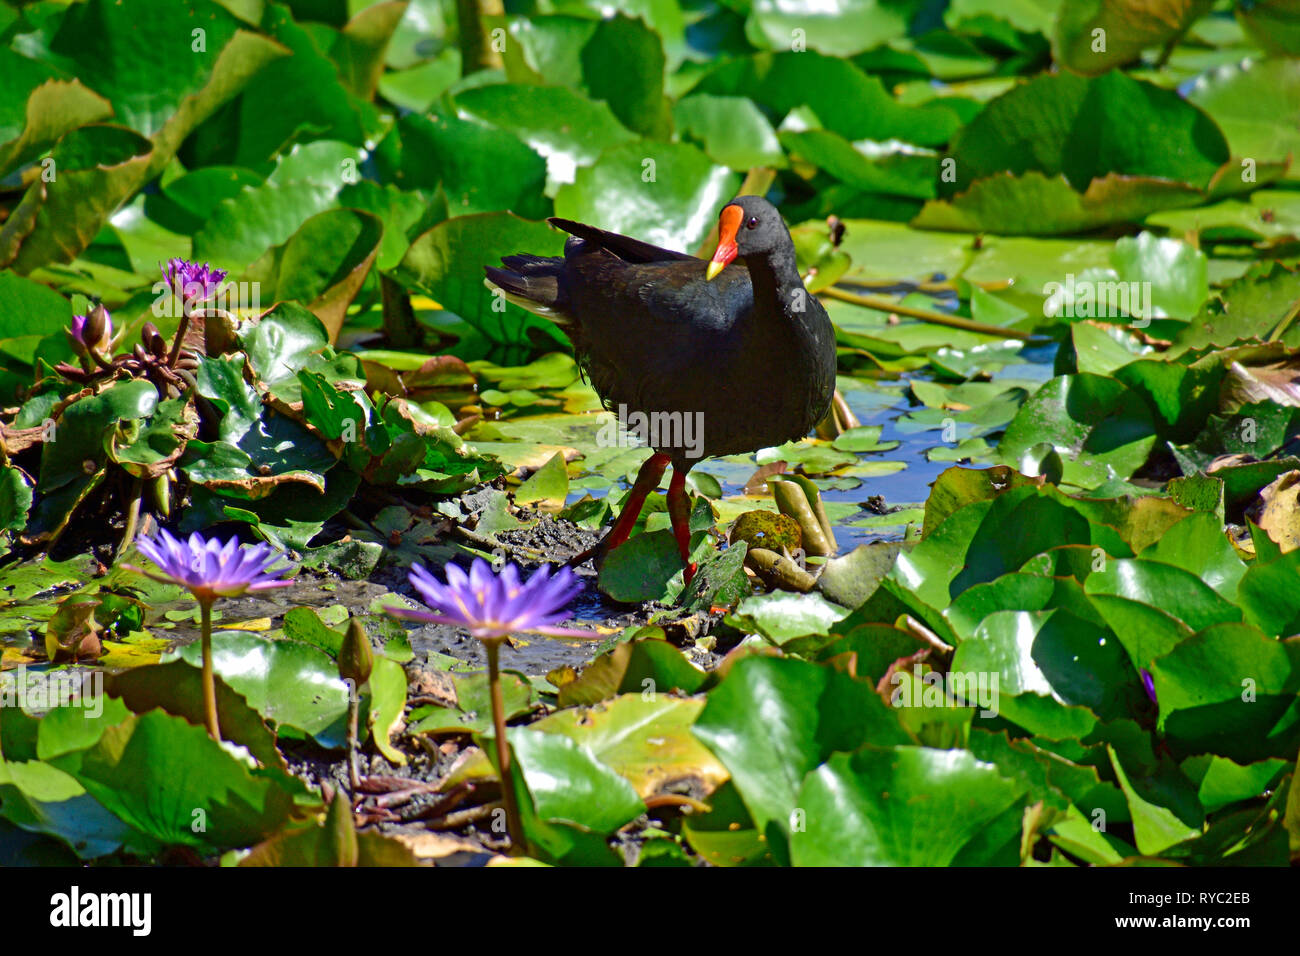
<point>714,268</point>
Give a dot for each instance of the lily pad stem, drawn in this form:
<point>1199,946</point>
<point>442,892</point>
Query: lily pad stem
<point>882,304</point>
<point>491,544</point>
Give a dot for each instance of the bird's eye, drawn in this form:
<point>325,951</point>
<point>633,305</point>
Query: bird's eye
<point>753,221</point>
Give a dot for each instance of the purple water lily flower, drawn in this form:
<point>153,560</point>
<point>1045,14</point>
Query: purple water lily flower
<point>1149,685</point>
<point>197,283</point>
<point>209,569</point>
<point>492,606</point>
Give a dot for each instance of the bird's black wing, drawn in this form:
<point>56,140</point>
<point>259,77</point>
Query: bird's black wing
<point>625,247</point>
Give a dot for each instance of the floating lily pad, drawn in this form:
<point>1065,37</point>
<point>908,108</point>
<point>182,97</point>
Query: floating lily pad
<point>1096,424</point>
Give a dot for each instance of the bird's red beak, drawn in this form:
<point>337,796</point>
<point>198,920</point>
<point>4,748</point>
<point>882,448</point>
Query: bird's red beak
<point>728,225</point>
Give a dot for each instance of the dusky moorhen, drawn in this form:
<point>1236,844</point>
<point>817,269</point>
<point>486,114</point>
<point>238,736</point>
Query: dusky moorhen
<point>745,355</point>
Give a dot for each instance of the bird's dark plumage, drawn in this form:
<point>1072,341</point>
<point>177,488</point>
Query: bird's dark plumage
<point>751,351</point>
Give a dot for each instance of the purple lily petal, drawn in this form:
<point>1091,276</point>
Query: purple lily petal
<point>197,283</point>
<point>1149,685</point>
<point>493,605</point>
<point>212,568</point>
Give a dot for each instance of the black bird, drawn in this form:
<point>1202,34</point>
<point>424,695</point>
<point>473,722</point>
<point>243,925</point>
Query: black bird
<point>745,355</point>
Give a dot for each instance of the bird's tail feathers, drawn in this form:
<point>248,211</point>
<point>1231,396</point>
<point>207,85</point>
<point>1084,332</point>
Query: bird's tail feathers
<point>532,283</point>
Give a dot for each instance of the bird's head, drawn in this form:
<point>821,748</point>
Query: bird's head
<point>747,226</point>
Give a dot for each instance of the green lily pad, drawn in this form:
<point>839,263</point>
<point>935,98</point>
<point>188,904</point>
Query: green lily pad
<point>1268,601</point>
<point>646,739</point>
<point>645,665</point>
<point>1255,104</point>
<point>783,615</point>
<point>730,129</point>
<point>322,265</point>
<point>844,29</point>
<point>568,129</point>
<point>294,686</point>
<point>667,194</point>
<point>549,485</point>
<point>1033,204</point>
<point>214,800</point>
<point>481,168</point>
<point>568,783</point>
<point>474,704</point>
<point>1155,827</point>
<point>177,688</point>
<point>306,181</point>
<point>83,427</point>
<point>1230,690</point>
<point>623,65</point>
<point>863,439</point>
<point>1039,126</point>
<point>1093,421</point>
<point>40,798</point>
<point>648,567</point>
<point>1051,654</point>
<point>1127,31</point>
<point>40,109</point>
<point>900,174</point>
<point>844,98</point>
<point>99,167</point>
<point>906,806</point>
<point>806,713</point>
<point>447,263</point>
<point>1177,592</point>
<point>30,312</point>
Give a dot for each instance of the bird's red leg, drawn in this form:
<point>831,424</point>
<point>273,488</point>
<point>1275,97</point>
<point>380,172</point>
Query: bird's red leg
<point>647,480</point>
<point>679,511</point>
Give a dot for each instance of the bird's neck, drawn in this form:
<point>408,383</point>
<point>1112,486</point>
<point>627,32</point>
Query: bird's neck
<point>778,288</point>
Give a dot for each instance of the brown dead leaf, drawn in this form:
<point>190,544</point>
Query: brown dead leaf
<point>15,440</point>
<point>435,846</point>
<point>1278,510</point>
<point>757,483</point>
<point>430,686</point>
<point>1274,382</point>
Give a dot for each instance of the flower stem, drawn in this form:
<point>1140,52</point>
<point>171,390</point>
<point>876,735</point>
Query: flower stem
<point>180,337</point>
<point>354,712</point>
<point>513,822</point>
<point>209,681</point>
<point>132,517</point>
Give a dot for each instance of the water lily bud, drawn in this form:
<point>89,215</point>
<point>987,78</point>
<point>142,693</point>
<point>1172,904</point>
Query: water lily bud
<point>88,648</point>
<point>75,332</point>
<point>162,495</point>
<point>153,340</point>
<point>98,329</point>
<point>356,658</point>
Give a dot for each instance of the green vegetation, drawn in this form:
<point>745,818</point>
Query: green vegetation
<point>1030,596</point>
